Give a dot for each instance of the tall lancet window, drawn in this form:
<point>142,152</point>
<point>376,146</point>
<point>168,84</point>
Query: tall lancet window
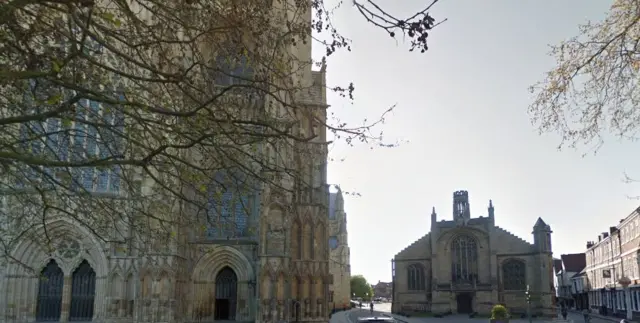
<point>464,260</point>
<point>461,206</point>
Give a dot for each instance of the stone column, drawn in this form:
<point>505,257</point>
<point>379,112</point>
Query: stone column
<point>242,302</point>
<point>3,291</point>
<point>66,299</point>
<point>326,299</point>
<point>313,304</point>
<point>33,297</point>
<point>273,311</point>
<point>254,311</point>
<point>124,303</point>
<point>20,298</point>
<point>100,298</point>
<point>287,298</point>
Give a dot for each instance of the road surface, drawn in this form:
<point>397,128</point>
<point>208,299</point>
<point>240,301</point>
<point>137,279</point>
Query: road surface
<point>381,309</point>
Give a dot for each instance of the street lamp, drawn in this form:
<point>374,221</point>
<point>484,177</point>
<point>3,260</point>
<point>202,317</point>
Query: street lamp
<point>527,294</point>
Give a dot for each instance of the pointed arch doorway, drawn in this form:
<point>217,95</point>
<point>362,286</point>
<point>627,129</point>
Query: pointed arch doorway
<point>226,295</point>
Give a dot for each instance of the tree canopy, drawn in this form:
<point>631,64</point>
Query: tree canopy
<point>361,288</point>
<point>138,117</point>
<point>594,88</point>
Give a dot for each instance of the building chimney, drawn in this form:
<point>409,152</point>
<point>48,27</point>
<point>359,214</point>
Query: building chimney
<point>599,238</point>
<point>612,230</point>
<point>605,235</point>
<point>589,244</point>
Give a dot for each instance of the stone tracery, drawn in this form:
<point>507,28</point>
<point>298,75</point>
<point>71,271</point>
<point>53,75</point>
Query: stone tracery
<point>464,258</point>
<point>415,277</point>
<point>78,248</point>
<point>514,275</point>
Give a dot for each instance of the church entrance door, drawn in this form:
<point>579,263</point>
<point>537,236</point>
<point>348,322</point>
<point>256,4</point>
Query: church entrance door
<point>464,301</point>
<point>226,295</point>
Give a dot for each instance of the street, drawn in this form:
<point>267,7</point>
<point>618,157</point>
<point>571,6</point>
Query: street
<point>381,309</point>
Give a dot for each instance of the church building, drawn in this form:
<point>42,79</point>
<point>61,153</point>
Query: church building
<point>468,265</point>
<point>230,246</point>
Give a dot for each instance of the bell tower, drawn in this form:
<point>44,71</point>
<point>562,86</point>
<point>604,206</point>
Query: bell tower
<point>461,208</point>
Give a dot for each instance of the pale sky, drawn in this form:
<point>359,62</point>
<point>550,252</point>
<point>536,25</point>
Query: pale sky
<point>463,107</point>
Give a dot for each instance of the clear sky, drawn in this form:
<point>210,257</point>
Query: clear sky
<point>463,107</point>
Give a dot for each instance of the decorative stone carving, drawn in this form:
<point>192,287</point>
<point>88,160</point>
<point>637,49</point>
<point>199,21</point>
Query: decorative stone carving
<point>68,248</point>
<point>275,232</point>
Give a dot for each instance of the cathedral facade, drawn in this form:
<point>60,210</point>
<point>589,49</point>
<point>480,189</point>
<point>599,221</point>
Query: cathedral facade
<point>339,261</point>
<point>468,265</point>
<point>270,265</point>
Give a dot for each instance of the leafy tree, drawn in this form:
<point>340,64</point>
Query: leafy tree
<point>361,288</point>
<point>594,87</point>
<point>135,118</point>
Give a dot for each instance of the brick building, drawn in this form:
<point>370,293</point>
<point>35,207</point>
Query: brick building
<point>612,257</point>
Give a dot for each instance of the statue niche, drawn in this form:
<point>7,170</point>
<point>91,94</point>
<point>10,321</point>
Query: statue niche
<point>276,232</point>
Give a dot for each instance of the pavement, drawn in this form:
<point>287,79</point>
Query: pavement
<point>384,309</point>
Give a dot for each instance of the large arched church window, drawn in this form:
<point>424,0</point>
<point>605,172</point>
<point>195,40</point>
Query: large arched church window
<point>230,206</point>
<point>232,70</point>
<point>514,275</point>
<point>97,131</point>
<point>415,277</point>
<point>464,259</point>
<point>83,290</point>
<point>49,303</point>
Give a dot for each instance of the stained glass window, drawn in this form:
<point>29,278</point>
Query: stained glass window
<point>232,70</point>
<point>415,277</point>
<point>513,275</point>
<point>333,242</point>
<point>464,259</point>
<point>80,142</point>
<point>229,207</point>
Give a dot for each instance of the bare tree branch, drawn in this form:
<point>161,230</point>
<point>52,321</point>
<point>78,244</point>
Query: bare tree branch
<point>152,123</point>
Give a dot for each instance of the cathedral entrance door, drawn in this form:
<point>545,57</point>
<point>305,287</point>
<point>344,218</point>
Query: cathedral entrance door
<point>226,295</point>
<point>464,301</point>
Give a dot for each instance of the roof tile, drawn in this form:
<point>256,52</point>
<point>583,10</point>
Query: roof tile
<point>574,262</point>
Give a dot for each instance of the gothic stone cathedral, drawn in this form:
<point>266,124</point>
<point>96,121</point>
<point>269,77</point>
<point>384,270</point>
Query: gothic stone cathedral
<point>275,267</point>
<point>469,264</point>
